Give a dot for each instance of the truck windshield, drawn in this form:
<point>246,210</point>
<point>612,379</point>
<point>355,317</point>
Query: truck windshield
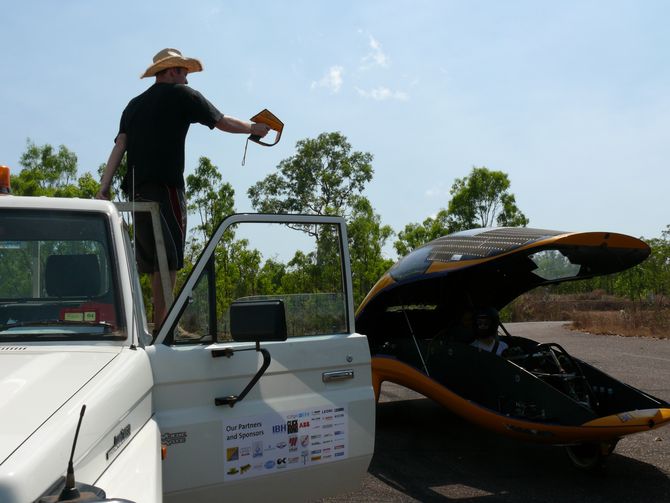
<point>56,280</point>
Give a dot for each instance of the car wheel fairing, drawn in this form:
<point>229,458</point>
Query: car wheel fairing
<point>590,456</point>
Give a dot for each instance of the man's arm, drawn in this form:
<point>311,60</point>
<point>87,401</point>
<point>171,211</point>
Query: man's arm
<point>234,125</point>
<point>112,165</point>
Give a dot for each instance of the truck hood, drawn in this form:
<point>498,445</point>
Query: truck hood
<point>36,383</point>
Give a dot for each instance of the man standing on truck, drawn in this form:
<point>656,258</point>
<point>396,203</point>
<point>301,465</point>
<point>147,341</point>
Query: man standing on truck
<point>153,132</point>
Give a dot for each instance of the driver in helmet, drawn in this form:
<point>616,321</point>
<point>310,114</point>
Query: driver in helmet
<point>485,325</point>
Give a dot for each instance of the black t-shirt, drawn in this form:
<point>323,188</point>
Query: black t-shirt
<point>156,123</point>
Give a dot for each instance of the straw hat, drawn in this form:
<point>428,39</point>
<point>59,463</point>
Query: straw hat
<point>172,58</point>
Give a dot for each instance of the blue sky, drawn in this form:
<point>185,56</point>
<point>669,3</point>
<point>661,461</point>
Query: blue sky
<point>571,99</point>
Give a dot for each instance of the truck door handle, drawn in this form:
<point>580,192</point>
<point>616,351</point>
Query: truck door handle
<point>337,375</point>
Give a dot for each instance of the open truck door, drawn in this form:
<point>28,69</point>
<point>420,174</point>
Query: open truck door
<point>262,387</point>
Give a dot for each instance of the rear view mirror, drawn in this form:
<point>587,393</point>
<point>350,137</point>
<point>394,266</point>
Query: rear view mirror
<point>258,320</point>
<point>253,321</point>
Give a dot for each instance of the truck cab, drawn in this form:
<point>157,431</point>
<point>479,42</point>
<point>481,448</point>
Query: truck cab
<point>244,393</point>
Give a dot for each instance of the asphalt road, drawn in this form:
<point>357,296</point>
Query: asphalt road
<point>425,453</point>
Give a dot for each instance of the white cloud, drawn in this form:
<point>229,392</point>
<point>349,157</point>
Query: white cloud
<point>376,57</point>
<point>382,94</point>
<point>331,80</point>
<point>436,191</point>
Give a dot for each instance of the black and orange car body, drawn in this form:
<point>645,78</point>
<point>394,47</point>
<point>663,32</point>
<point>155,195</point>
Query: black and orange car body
<point>413,318</point>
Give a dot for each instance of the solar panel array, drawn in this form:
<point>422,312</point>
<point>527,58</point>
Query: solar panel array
<point>487,243</point>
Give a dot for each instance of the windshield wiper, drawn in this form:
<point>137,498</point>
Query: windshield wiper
<point>107,327</point>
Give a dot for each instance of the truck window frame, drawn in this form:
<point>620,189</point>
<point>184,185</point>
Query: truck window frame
<point>165,334</point>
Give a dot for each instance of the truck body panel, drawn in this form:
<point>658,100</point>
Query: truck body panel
<point>73,333</point>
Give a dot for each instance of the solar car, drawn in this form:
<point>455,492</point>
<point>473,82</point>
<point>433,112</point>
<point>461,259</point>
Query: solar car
<point>432,326</point>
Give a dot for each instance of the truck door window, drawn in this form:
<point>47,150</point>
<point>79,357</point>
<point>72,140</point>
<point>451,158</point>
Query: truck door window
<point>56,280</point>
<point>297,263</point>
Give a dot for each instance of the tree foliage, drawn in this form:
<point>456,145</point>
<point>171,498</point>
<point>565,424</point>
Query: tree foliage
<point>481,199</point>
<point>415,234</point>
<point>324,177</point>
<point>50,172</point>
<point>209,197</point>
<point>646,281</point>
<point>367,238</point>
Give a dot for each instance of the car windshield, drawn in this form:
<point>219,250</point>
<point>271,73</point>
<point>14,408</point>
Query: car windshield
<point>554,265</point>
<point>56,280</point>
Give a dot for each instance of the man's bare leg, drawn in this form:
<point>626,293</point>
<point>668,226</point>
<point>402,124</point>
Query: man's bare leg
<point>160,309</point>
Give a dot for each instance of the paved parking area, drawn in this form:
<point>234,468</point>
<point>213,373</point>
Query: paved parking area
<point>425,453</point>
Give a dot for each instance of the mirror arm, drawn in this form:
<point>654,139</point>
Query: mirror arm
<point>228,352</point>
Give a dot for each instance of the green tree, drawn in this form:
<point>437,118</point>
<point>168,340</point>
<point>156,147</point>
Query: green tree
<point>48,168</point>
<point>87,186</point>
<point>324,177</point>
<point>209,197</point>
<point>211,200</point>
<point>482,199</point>
<point>270,277</point>
<point>50,172</point>
<point>647,280</point>
<point>243,270</point>
<point>415,235</point>
<point>300,275</point>
<point>367,237</point>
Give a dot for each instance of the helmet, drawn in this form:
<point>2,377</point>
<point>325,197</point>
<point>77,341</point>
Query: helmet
<point>486,323</point>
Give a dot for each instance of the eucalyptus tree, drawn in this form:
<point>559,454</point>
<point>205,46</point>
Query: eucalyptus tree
<point>480,199</point>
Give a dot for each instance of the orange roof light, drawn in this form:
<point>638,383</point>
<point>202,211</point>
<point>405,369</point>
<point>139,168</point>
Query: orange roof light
<point>4,180</point>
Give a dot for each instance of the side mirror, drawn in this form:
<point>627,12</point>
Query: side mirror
<point>253,321</point>
<point>258,320</point>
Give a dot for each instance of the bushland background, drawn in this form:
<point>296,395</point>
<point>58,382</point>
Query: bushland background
<point>326,177</point>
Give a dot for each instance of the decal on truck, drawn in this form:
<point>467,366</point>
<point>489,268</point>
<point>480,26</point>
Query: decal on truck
<point>174,438</point>
<point>260,445</point>
<point>119,439</point>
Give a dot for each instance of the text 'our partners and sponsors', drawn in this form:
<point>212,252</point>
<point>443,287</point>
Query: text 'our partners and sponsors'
<point>289,440</point>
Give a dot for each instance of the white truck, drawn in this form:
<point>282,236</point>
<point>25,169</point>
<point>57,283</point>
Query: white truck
<point>270,401</point>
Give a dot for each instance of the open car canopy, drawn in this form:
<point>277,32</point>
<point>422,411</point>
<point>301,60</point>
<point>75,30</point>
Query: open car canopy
<point>492,266</point>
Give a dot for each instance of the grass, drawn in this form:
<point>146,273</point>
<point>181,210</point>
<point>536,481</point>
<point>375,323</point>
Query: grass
<point>595,312</point>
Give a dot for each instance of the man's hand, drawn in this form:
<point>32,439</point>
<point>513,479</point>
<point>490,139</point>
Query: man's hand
<point>104,193</point>
<point>231,124</point>
<point>112,165</point>
<point>259,129</point>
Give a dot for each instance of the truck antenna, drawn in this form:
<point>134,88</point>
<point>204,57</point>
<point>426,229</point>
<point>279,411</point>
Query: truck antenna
<point>70,490</point>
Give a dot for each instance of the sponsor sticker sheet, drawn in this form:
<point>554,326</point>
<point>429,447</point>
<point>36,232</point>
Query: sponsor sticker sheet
<point>259,445</point>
